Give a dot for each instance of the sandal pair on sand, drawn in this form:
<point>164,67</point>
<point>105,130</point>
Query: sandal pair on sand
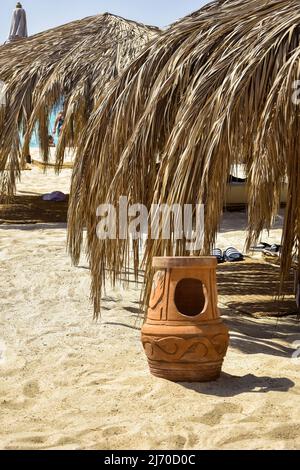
<point>232,255</point>
<point>267,249</point>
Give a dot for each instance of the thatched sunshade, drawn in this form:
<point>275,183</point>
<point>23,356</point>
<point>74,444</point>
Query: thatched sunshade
<point>73,63</point>
<point>215,89</point>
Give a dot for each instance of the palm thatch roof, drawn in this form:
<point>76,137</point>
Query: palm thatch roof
<point>71,64</point>
<point>214,90</point>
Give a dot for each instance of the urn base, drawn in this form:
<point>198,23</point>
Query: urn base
<point>180,372</point>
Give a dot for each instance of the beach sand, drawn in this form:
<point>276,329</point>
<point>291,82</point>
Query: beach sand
<point>68,382</point>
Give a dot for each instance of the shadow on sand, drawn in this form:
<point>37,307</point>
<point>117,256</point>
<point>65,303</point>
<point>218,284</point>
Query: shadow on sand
<point>230,385</point>
<point>252,288</point>
<point>272,339</point>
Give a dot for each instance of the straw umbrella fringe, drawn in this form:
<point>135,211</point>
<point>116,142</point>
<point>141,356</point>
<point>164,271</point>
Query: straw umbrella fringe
<point>214,90</point>
<point>73,63</point>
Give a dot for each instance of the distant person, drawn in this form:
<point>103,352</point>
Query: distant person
<point>51,141</point>
<point>59,122</point>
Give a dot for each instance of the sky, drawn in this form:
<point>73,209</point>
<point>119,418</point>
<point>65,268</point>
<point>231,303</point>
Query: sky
<point>45,14</point>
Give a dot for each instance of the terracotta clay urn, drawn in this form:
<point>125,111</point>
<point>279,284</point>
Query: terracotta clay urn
<point>184,337</point>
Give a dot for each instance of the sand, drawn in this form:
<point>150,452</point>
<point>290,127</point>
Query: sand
<point>68,382</point>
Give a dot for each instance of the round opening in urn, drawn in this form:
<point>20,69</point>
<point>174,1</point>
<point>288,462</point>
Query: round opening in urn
<point>190,298</point>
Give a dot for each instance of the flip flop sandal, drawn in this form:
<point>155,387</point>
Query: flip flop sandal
<point>261,247</point>
<point>233,255</point>
<point>218,254</point>
<point>274,250</point>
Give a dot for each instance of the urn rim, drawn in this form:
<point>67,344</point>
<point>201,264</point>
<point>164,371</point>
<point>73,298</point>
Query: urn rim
<point>167,262</point>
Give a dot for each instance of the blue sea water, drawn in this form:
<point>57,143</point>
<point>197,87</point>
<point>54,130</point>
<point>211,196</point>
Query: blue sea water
<point>34,140</point>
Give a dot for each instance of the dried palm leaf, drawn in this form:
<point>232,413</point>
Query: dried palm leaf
<point>213,90</point>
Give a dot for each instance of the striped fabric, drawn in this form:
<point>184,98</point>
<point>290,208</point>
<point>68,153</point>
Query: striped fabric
<point>232,254</point>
